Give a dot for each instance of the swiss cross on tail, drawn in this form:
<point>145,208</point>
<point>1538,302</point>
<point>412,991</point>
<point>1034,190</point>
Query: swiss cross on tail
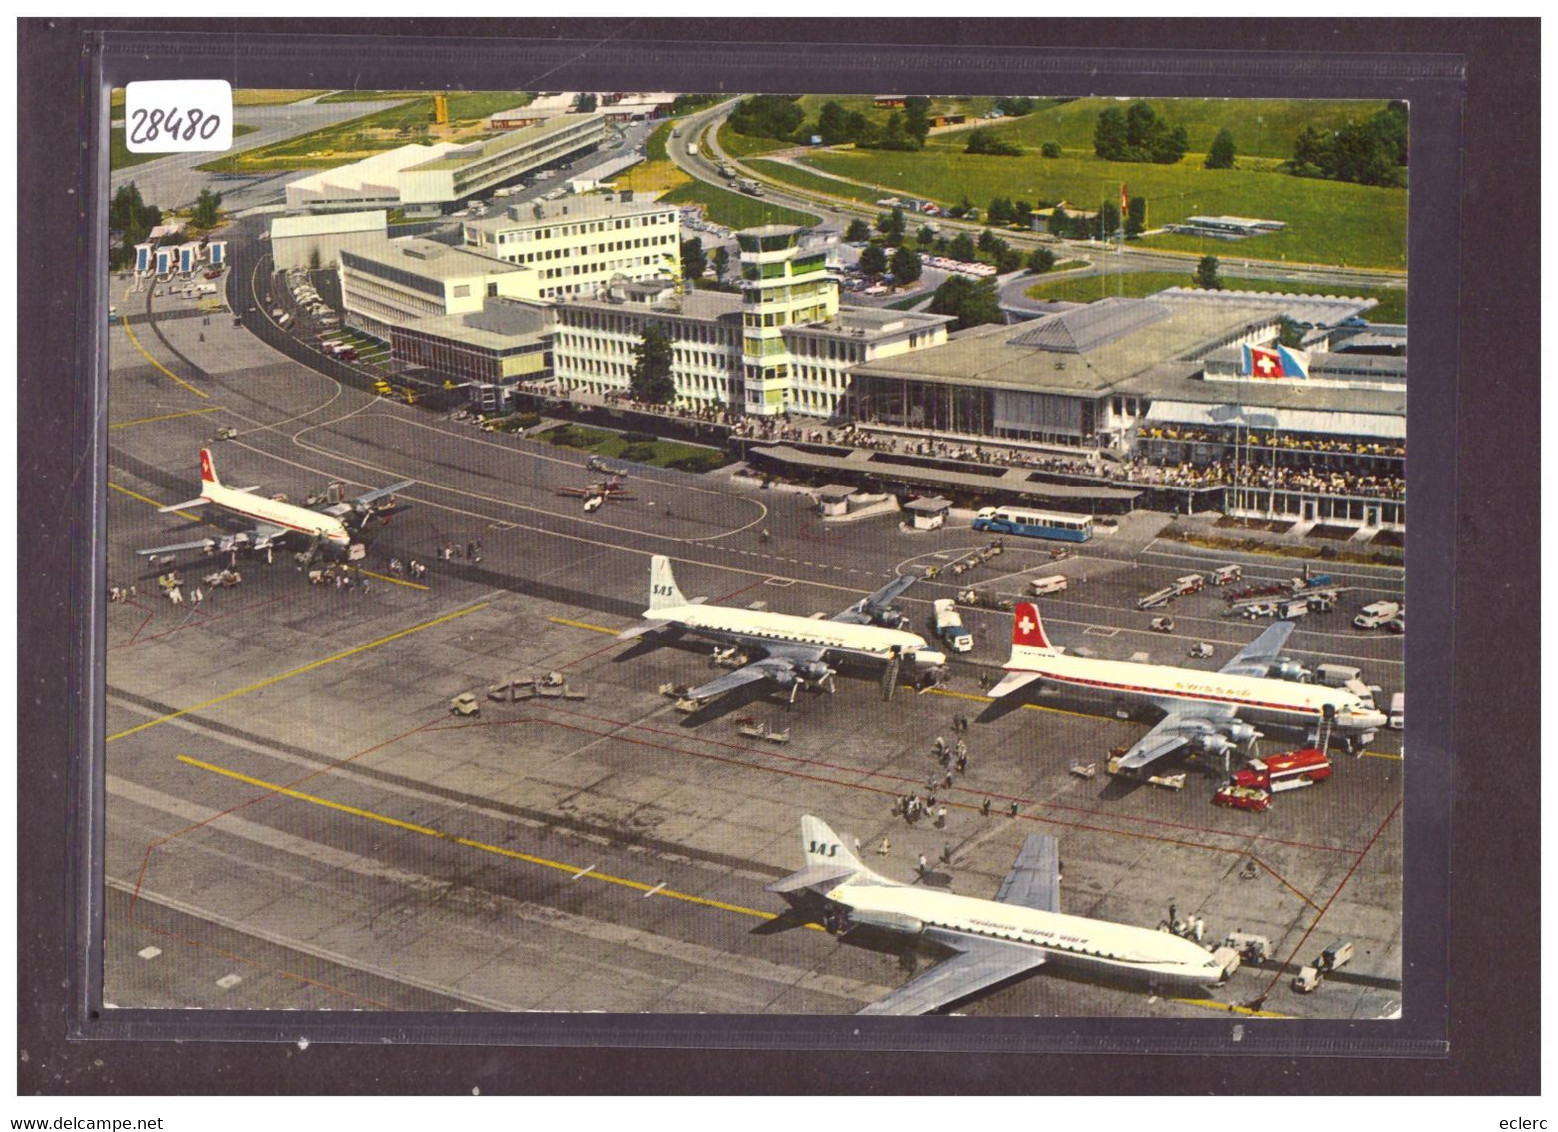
<point>207,468</point>
<point>1027,629</point>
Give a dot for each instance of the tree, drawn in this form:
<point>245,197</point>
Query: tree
<point>1049,149</point>
<point>1220,156</point>
<point>720,261</point>
<point>962,208</point>
<point>1058,221</point>
<point>894,136</point>
<point>833,124</point>
<point>1022,213</point>
<point>1290,333</point>
<point>694,261</point>
<point>1015,107</point>
<point>128,214</point>
<point>891,225</point>
<point>651,380</point>
<point>983,141</point>
<point>962,248</point>
<point>858,231</point>
<point>585,104</point>
<point>1206,276</point>
<point>1108,220</point>
<point>926,236</point>
<point>906,266</point>
<point>1000,211</point>
<point>206,206</point>
<point>1135,217</point>
<point>916,118</point>
<point>971,303</point>
<point>873,260</point>
<point>1109,135</point>
<point>1041,260</point>
<point>1373,152</point>
<point>767,116</point>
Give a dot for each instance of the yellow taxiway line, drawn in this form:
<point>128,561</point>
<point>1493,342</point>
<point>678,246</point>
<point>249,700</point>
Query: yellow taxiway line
<point>391,578</point>
<point>154,503</point>
<point>168,417</point>
<point>269,680</point>
<point>579,872</point>
<point>581,625</point>
<point>134,341</point>
<point>1229,1008</point>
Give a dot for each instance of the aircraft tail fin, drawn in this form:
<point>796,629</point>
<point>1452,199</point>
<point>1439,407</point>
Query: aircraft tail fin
<point>208,468</point>
<point>663,590</point>
<point>1029,640</point>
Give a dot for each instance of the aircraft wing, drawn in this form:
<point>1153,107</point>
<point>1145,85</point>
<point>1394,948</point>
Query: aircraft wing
<point>1175,730</point>
<point>977,964</point>
<point>1034,881</point>
<point>378,493</point>
<point>185,506</point>
<point>1011,682</point>
<point>259,537</point>
<point>174,548</point>
<point>1257,657</point>
<point>860,612</point>
<point>779,665</point>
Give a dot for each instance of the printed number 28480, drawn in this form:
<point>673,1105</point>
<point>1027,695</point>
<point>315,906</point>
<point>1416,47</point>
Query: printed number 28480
<point>148,126</point>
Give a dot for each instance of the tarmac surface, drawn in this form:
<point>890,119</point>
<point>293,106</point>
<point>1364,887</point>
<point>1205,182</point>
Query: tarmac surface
<point>296,820</point>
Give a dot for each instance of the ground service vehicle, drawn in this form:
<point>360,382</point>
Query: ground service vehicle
<point>1336,675</point>
<point>949,626</point>
<point>1243,798</point>
<point>1226,575</point>
<point>1398,711</point>
<point>1049,584</point>
<point>1034,524</point>
<point>1288,771</point>
<point>1376,614</point>
<point>750,187</point>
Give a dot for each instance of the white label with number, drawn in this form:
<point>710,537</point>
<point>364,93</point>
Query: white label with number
<point>178,116</point>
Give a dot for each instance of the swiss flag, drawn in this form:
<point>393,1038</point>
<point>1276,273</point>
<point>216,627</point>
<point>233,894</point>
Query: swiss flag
<point>1262,363</point>
<point>1027,629</point>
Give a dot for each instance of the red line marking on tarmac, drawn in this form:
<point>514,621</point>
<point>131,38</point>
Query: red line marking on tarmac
<point>149,615</point>
<point>283,972</point>
<point>206,619</point>
<point>1320,914</point>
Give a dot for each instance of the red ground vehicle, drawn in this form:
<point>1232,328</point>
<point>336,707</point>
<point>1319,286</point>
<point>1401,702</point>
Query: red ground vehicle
<point>1243,798</point>
<point>1287,771</point>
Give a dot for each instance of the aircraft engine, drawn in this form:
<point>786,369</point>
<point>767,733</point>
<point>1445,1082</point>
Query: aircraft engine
<point>815,672</point>
<point>1243,734</point>
<point>1286,668</point>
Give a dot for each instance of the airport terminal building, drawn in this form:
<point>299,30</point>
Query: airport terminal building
<point>423,179</point>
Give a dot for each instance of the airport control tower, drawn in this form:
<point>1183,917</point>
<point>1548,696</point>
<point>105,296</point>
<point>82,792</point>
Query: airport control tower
<point>782,286</point>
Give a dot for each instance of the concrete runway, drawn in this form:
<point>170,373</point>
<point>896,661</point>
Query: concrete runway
<point>291,803</point>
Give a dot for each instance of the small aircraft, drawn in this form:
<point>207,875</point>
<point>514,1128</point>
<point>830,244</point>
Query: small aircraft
<point>989,941</point>
<point>792,650</point>
<point>612,488</point>
<point>274,519</point>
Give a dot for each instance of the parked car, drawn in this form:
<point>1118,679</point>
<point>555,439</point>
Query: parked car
<point>1243,798</point>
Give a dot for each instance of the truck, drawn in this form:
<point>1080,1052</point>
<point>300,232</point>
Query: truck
<point>1336,675</point>
<point>1375,614</point>
<point>1291,770</point>
<point>1179,587</point>
<point>949,626</point>
<point>750,187</point>
<point>1227,575</point>
<point>1398,711</point>
<point>1333,958</point>
<point>1310,582</point>
<point>1049,584</point>
<point>727,170</point>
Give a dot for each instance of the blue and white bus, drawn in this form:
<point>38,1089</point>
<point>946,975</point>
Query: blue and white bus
<point>1035,524</point>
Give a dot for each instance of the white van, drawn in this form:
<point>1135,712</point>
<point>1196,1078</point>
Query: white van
<point>1049,584</point>
<point>1398,711</point>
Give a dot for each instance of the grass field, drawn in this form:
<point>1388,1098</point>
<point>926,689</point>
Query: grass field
<point>657,173</point>
<point>1261,127</point>
<point>658,453</point>
<point>1328,221</point>
<point>815,182</point>
<point>356,138</point>
<point>1136,284</point>
<point>737,210</point>
<point>120,157</point>
<point>740,146</point>
<point>374,95</point>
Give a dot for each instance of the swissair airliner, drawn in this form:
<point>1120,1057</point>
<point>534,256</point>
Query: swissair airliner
<point>272,518</point>
<point>794,650</point>
<point>1212,711</point>
<point>990,940</point>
